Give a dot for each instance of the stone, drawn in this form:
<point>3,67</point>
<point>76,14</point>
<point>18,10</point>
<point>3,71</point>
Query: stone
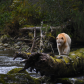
<point>1,44</point>
<point>5,45</point>
<point>17,47</point>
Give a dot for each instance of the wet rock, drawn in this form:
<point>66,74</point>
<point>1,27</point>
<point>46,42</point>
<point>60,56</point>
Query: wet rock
<point>5,45</point>
<point>16,70</point>
<point>3,38</point>
<point>18,78</point>
<point>15,44</point>
<point>19,43</point>
<point>12,48</point>
<point>1,47</point>
<point>1,44</point>
<point>25,48</point>
<point>17,47</point>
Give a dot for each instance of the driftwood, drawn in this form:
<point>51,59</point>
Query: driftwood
<point>37,28</point>
<point>33,40</point>
<point>58,66</point>
<point>31,29</point>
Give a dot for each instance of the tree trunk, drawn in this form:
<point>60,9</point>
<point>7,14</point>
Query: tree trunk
<point>57,66</point>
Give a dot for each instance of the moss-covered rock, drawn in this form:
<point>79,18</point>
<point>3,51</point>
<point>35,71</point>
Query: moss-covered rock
<point>3,38</point>
<point>16,70</point>
<point>13,77</point>
<point>18,79</point>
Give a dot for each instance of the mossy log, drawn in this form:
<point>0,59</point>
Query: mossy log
<point>57,66</point>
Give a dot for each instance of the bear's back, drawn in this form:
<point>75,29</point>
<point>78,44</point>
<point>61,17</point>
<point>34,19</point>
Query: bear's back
<point>68,39</point>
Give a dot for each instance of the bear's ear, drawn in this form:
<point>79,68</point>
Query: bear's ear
<point>62,38</point>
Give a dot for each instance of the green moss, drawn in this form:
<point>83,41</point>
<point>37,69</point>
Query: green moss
<point>50,35</point>
<point>53,58</point>
<point>59,60</point>
<point>28,26</point>
<point>66,59</point>
<point>16,78</point>
<point>16,70</point>
<point>28,53</point>
<point>56,60</point>
<point>77,55</point>
<point>31,36</point>
<point>64,80</point>
<point>2,81</point>
<point>79,82</point>
<point>36,81</point>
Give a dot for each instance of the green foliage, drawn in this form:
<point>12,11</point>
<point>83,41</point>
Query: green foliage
<point>12,27</point>
<point>4,13</point>
<point>32,12</point>
<point>27,12</point>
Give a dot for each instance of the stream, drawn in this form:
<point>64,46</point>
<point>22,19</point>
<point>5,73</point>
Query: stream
<point>7,63</point>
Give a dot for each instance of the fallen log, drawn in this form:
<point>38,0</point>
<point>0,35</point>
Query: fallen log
<point>37,28</point>
<point>57,66</point>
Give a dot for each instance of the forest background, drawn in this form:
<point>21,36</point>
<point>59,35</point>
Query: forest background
<point>68,14</point>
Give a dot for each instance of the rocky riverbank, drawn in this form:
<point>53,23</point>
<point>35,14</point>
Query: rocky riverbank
<point>24,43</point>
<point>14,43</point>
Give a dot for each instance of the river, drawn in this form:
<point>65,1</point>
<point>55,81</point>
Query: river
<point>7,63</point>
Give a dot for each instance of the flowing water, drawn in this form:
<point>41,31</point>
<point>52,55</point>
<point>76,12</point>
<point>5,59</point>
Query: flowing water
<point>7,63</point>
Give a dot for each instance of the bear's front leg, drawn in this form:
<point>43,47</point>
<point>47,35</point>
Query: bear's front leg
<point>66,50</point>
<point>60,50</point>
